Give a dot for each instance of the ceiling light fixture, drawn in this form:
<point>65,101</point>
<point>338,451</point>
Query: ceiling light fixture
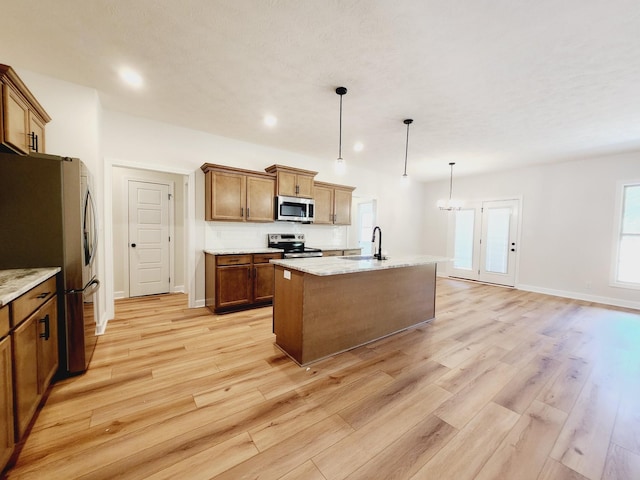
<point>450,204</point>
<point>131,77</point>
<point>405,178</point>
<point>340,162</point>
<point>270,120</point>
<point>358,146</point>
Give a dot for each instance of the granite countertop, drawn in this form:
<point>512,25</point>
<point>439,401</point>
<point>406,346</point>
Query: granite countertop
<point>333,247</point>
<point>240,251</point>
<point>340,265</point>
<point>17,281</point>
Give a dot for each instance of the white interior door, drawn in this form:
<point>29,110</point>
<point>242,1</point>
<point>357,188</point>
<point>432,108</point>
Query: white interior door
<point>484,242</point>
<point>149,269</point>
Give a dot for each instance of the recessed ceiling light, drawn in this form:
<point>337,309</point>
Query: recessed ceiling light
<point>270,120</point>
<point>131,77</point>
<point>358,147</point>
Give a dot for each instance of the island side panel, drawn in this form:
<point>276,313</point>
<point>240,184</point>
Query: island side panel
<point>287,311</point>
<point>345,311</point>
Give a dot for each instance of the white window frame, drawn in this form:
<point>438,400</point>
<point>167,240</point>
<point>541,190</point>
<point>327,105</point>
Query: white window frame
<point>619,204</point>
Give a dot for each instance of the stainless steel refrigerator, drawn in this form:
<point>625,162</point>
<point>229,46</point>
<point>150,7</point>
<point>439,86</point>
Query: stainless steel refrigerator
<point>48,218</point>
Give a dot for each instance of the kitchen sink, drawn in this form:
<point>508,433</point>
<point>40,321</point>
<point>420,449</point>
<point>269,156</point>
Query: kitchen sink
<point>362,257</point>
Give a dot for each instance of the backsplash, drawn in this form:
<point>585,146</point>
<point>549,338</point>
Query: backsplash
<point>220,235</point>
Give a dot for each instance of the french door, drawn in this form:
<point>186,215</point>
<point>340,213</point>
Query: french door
<point>484,241</point>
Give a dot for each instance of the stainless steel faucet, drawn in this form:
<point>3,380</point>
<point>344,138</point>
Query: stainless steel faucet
<point>373,239</point>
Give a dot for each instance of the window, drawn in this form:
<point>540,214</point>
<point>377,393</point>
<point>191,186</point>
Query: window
<point>627,260</point>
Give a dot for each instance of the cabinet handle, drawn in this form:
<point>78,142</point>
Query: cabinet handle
<point>247,212</point>
<point>242,211</point>
<point>43,295</point>
<point>47,331</point>
<point>34,141</point>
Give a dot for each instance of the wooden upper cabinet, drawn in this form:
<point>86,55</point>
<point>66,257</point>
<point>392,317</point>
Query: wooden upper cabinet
<point>236,195</point>
<point>293,182</point>
<point>260,199</point>
<point>22,118</point>
<point>332,203</point>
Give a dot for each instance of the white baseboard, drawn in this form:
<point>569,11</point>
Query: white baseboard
<point>616,302</point>
<point>199,303</point>
<point>178,289</point>
<point>118,295</point>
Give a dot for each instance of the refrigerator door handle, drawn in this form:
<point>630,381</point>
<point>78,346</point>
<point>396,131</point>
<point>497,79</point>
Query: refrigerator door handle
<point>94,284</point>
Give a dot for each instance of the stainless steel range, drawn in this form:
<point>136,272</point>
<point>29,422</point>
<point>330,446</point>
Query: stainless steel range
<point>292,244</point>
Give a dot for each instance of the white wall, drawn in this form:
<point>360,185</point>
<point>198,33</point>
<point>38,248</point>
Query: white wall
<point>567,229</point>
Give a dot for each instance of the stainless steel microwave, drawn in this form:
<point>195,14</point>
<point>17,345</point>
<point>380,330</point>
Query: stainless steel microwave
<point>294,209</point>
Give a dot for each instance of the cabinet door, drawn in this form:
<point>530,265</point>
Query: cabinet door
<point>225,194</point>
<point>25,350</point>
<point>36,134</point>
<point>342,207</point>
<point>263,282</point>
<point>260,199</point>
<point>16,120</point>
<point>287,183</point>
<point>47,318</point>
<point>233,286</point>
<point>323,197</point>
<point>6,403</point>
<point>305,186</point>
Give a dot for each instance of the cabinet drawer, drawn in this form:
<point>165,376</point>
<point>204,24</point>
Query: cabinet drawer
<point>353,251</point>
<point>4,321</point>
<point>222,260</point>
<point>28,303</point>
<point>265,257</point>
<point>332,253</point>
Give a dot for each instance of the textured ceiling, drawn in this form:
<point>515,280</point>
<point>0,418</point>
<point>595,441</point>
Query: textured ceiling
<point>490,84</point>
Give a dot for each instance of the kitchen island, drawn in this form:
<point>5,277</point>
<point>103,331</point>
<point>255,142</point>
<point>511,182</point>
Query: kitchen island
<point>323,306</point>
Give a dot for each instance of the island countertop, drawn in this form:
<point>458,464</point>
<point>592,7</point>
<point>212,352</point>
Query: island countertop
<point>16,281</point>
<point>323,266</point>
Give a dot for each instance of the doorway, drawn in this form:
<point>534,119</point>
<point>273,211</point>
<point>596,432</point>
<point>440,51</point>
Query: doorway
<point>484,239</point>
<point>149,238</point>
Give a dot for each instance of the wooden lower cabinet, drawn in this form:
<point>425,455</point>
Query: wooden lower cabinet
<point>238,281</point>
<point>35,348</point>
<point>6,403</point>
<point>341,253</point>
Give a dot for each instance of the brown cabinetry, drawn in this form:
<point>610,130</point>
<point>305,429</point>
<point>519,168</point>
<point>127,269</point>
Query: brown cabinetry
<point>332,203</point>
<point>6,399</point>
<point>293,182</point>
<point>22,118</point>
<point>238,281</point>
<point>35,349</point>
<point>237,195</point>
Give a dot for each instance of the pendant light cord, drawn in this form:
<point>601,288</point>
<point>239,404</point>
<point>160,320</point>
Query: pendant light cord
<point>407,122</point>
<point>340,141</point>
<point>451,182</point>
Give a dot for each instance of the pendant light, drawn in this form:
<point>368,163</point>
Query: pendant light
<point>450,204</point>
<point>340,162</point>
<point>405,178</point>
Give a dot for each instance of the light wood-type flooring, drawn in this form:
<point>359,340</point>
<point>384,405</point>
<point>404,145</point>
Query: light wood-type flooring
<point>503,384</point>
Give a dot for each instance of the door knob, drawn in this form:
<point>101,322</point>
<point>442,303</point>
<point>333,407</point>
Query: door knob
<point>133,245</point>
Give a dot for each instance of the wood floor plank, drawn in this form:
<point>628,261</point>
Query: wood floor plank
<point>562,392</point>
<point>465,454</point>
<point>404,457</point>
<point>583,442</point>
<point>523,452</point>
<point>621,464</point>
<point>336,462</point>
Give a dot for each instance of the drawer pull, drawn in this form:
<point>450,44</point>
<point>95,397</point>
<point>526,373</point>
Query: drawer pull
<point>47,331</point>
<point>43,295</point>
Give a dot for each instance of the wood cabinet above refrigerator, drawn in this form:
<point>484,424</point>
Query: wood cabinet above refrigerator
<point>22,118</point>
